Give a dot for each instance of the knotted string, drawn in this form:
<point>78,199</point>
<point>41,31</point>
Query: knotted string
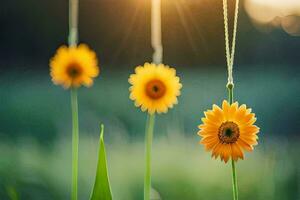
<point>230,52</point>
<point>230,85</point>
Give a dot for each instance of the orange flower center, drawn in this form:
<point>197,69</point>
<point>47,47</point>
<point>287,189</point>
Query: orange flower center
<point>155,89</point>
<point>229,132</point>
<point>74,70</point>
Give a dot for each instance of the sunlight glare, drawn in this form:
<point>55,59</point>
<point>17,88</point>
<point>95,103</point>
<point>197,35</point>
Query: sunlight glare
<point>267,10</point>
<point>275,13</point>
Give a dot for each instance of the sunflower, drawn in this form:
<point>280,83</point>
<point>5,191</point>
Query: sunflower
<point>228,131</point>
<point>74,66</point>
<point>155,88</point>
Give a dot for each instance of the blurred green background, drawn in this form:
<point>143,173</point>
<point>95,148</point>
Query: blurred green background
<point>35,117</point>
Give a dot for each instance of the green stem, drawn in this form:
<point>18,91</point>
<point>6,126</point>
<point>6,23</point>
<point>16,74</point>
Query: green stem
<point>148,148</point>
<point>75,141</point>
<point>73,40</point>
<point>234,181</point>
<point>230,87</point>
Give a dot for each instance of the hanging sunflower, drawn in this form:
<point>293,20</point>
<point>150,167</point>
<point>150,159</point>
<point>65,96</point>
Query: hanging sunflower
<point>227,132</point>
<point>155,88</point>
<point>74,66</point>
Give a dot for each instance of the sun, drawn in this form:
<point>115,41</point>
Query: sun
<point>227,132</point>
<point>74,66</point>
<point>154,88</point>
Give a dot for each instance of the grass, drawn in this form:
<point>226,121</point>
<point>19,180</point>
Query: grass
<point>181,170</point>
<point>35,131</point>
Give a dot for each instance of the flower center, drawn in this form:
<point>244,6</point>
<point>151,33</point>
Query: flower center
<point>155,89</point>
<point>74,70</point>
<point>229,132</point>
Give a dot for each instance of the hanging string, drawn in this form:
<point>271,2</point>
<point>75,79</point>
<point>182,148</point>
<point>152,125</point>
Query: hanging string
<point>73,22</point>
<point>230,85</point>
<point>156,32</point>
<point>73,40</point>
<point>230,53</point>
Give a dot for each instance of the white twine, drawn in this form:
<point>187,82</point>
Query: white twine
<point>156,41</point>
<point>230,53</point>
<point>73,22</point>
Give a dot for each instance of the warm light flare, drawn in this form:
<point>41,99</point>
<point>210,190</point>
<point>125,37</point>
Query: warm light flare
<point>265,11</point>
<point>277,13</point>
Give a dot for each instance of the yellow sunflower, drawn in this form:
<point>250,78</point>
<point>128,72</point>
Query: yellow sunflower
<point>228,131</point>
<point>155,88</point>
<point>74,66</point>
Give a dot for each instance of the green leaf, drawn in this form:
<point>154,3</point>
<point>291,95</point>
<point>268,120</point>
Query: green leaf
<point>12,193</point>
<point>101,190</point>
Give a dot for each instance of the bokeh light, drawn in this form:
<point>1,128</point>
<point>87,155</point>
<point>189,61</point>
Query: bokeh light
<point>275,13</point>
